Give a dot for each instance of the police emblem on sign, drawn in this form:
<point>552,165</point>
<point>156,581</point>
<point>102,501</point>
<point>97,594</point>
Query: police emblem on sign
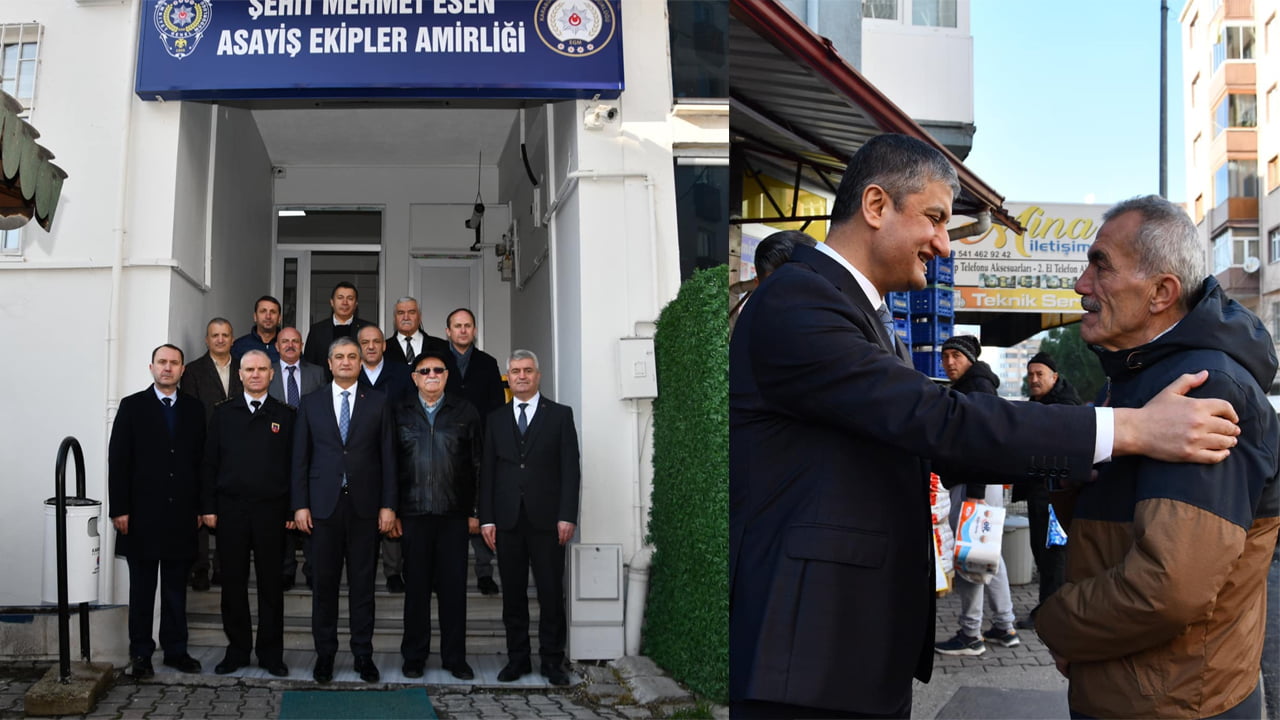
<point>181,24</point>
<point>576,28</point>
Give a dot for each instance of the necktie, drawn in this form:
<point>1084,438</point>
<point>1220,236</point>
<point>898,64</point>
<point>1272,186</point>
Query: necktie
<point>253,406</point>
<point>344,416</point>
<point>169,415</point>
<point>291,393</point>
<point>886,319</point>
<point>523,422</point>
<point>408,349</point>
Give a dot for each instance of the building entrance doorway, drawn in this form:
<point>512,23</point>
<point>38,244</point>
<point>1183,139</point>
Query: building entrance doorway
<point>316,248</point>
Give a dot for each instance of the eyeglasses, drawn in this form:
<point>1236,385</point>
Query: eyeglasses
<point>430,371</point>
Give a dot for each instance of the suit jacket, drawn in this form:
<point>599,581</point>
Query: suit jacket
<point>154,477</point>
<point>542,471</point>
<point>395,349</point>
<point>320,336</point>
<point>482,384</point>
<point>310,378</point>
<point>200,380</point>
<point>247,455</point>
<point>830,557</point>
<point>320,458</point>
<point>394,380</point>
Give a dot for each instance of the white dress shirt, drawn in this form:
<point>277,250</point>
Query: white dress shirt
<point>528,411</point>
<point>337,398</point>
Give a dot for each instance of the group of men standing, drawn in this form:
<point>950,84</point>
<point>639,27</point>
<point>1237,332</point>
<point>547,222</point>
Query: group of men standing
<point>356,439</point>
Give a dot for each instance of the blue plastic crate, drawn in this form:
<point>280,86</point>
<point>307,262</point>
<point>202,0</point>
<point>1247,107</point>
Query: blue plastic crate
<point>933,301</point>
<point>929,363</point>
<point>931,330</point>
<point>899,303</point>
<point>902,326</point>
<point>941,270</point>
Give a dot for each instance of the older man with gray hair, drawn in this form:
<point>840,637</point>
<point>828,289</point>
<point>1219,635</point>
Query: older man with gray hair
<point>1164,605</point>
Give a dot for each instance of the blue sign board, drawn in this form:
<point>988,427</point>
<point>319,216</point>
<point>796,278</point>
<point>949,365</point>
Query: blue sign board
<point>278,49</point>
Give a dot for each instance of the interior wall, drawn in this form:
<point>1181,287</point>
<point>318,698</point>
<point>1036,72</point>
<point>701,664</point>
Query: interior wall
<point>398,190</point>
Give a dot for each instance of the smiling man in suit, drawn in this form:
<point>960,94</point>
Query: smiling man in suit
<point>529,481</point>
<point>344,495</point>
<point>831,596</point>
<point>345,302</point>
<point>153,477</point>
<point>294,377</point>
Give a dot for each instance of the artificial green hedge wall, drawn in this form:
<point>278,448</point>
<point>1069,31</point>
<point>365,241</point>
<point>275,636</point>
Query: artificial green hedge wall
<point>687,619</point>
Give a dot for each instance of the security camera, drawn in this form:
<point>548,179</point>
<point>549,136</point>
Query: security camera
<point>596,117</point>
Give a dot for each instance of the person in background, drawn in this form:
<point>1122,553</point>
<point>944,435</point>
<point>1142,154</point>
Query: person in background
<point>345,302</point>
<point>1044,385</point>
<point>770,255</point>
<point>262,336</point>
<point>969,375</point>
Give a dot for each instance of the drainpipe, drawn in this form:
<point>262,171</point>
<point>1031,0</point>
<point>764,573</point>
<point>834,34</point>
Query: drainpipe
<point>106,594</point>
<point>977,227</point>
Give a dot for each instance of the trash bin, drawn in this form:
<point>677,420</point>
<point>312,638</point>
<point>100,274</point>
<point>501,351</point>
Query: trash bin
<point>83,549</point>
<point>1016,549</point>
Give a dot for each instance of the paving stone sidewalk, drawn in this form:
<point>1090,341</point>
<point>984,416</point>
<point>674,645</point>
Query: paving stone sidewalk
<point>630,688</point>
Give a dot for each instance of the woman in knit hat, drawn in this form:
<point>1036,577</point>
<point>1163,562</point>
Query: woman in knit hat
<point>968,374</point>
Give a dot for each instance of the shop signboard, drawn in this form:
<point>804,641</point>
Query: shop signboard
<point>282,49</point>
<point>1002,271</point>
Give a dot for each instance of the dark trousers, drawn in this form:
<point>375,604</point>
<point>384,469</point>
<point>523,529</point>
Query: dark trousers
<point>257,527</point>
<point>292,541</point>
<point>484,557</point>
<point>201,566</point>
<point>517,550</point>
<point>343,537</point>
<point>1050,562</point>
<point>173,604</point>
<point>435,559</point>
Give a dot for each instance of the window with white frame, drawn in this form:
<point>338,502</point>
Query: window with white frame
<point>1273,244</point>
<point>933,13</point>
<point>1236,110</point>
<point>880,9</point>
<point>19,60</point>
<point>10,242</point>
<point>1234,42</point>
<point>1231,247</point>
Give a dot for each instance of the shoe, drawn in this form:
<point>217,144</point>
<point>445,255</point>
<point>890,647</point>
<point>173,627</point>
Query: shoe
<point>1026,623</point>
<point>323,671</point>
<point>216,579</point>
<point>365,668</point>
<point>514,671</point>
<point>141,669</point>
<point>461,670</point>
<point>487,586</point>
<point>227,666</point>
<point>200,582</point>
<point>555,675</point>
<point>276,669</point>
<point>395,584</point>
<point>1003,638</point>
<point>286,583</point>
<point>183,663</point>
<point>413,668</point>
<point>961,644</point>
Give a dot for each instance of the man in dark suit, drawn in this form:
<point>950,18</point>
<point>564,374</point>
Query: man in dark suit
<point>344,494</point>
<point>345,301</point>
<point>409,339</point>
<point>245,495</point>
<point>830,562</point>
<point>262,336</point>
<point>529,482</point>
<point>211,378</point>
<point>476,377</point>
<point>153,467</point>
<point>391,378</point>
<point>294,377</point>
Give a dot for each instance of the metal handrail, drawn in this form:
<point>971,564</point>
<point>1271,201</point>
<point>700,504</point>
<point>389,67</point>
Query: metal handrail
<point>64,613</point>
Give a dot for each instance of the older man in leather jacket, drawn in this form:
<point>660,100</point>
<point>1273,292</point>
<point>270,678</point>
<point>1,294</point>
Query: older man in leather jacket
<point>438,459</point>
